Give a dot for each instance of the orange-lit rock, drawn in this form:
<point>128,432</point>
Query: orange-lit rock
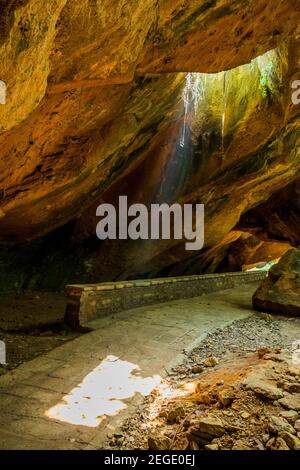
<point>91,113</point>
<point>280,291</point>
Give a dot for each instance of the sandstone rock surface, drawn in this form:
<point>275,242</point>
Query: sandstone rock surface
<point>280,291</point>
<point>94,109</point>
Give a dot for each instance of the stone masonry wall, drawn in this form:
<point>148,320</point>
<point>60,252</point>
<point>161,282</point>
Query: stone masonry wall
<point>89,301</point>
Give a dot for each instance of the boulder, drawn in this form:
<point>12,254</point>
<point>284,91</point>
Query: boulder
<point>280,291</point>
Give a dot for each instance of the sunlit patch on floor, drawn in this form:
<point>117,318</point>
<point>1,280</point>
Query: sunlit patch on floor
<point>102,392</point>
<point>166,391</point>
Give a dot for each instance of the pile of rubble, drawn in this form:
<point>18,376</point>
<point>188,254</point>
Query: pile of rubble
<point>248,401</point>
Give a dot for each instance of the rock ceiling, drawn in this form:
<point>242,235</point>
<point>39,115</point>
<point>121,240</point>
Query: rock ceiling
<point>94,109</point>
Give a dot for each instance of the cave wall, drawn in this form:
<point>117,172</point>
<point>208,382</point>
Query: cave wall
<point>94,109</point>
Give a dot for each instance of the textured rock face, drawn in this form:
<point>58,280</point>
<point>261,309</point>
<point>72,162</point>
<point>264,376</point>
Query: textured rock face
<point>280,291</point>
<point>94,109</point>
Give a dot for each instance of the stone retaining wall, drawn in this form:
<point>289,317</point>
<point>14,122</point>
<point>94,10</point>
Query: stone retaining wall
<point>88,301</point>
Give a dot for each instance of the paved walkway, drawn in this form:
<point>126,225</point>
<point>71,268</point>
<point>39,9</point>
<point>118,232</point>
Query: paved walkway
<point>73,396</point>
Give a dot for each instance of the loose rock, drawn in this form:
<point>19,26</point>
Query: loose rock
<point>175,414</point>
<point>290,415</point>
<point>279,292</point>
<point>278,425</point>
<point>210,361</point>
<point>158,442</point>
<point>206,430</point>
<point>226,396</point>
<point>297,425</point>
<point>240,445</point>
<point>291,402</point>
<point>211,447</point>
<point>193,446</point>
<point>264,389</point>
<point>197,369</point>
<point>292,441</point>
<point>277,443</point>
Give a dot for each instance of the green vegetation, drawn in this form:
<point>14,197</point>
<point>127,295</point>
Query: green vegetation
<point>265,80</point>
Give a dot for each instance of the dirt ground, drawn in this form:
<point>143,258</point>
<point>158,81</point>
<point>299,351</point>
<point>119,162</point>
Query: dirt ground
<point>30,310</point>
<point>31,324</point>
